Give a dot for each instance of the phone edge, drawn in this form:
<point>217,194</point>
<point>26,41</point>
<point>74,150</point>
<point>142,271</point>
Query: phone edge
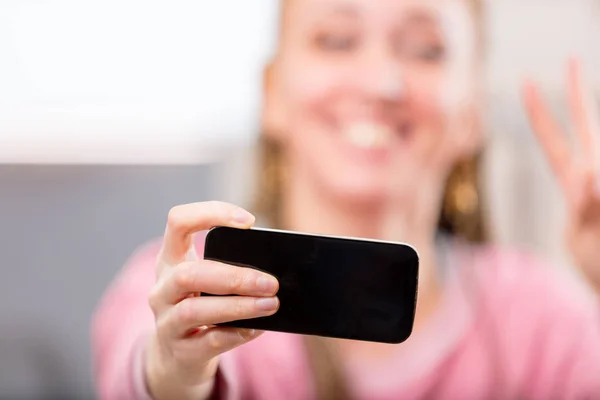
<point>325,236</point>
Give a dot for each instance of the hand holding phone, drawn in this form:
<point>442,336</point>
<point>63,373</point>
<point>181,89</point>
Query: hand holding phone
<point>182,353</point>
<point>328,286</point>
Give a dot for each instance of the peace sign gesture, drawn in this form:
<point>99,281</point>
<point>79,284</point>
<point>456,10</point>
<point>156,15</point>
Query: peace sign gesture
<point>576,167</point>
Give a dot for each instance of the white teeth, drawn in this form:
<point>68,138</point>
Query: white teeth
<point>369,136</point>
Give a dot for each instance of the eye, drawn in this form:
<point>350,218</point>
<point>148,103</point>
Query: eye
<point>336,42</point>
<point>430,53</point>
<point>420,51</point>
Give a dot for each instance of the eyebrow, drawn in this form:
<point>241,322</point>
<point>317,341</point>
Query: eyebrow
<point>418,17</point>
<point>343,9</point>
<point>422,17</point>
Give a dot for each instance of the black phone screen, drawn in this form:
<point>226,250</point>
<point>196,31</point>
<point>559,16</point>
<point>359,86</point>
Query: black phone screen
<point>328,286</point>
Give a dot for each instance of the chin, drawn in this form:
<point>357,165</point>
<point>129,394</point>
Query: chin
<point>359,192</point>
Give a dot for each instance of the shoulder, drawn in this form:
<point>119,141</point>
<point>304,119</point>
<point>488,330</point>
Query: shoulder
<point>524,275</point>
<point>525,292</point>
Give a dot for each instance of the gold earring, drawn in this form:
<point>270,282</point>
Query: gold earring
<point>462,199</point>
<point>465,198</point>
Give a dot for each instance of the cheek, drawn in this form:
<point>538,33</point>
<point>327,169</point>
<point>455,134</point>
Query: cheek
<point>309,85</point>
<point>308,91</point>
<point>426,99</point>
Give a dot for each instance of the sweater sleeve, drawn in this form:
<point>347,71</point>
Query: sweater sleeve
<point>120,327</point>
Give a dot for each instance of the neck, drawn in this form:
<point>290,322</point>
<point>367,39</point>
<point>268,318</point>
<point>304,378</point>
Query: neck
<point>308,209</point>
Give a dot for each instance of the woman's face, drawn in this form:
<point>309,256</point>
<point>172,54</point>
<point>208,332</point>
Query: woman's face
<point>363,90</point>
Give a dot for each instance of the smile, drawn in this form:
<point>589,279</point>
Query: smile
<point>369,135</point>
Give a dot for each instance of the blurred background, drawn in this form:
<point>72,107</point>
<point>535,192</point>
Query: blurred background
<point>113,111</point>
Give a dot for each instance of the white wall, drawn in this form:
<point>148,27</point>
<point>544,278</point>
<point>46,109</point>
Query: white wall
<point>535,36</point>
<point>532,37</point>
<point>84,81</point>
<point>88,80</point>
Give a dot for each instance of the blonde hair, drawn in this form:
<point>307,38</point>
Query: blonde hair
<point>461,216</point>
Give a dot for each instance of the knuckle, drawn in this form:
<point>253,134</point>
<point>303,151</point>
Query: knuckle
<point>186,311</point>
<point>215,340</point>
<point>241,307</point>
<point>154,298</point>
<point>183,276</point>
<point>235,281</point>
<point>176,218</point>
<point>219,209</point>
<point>214,205</point>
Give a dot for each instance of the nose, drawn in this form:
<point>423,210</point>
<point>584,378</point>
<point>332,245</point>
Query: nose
<point>382,77</point>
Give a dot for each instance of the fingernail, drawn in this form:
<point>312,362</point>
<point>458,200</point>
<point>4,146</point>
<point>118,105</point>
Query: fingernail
<point>242,216</point>
<point>266,284</point>
<point>254,333</point>
<point>267,304</point>
<point>250,333</point>
<point>247,333</point>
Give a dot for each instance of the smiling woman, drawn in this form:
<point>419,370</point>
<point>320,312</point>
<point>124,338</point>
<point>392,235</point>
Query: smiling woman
<point>359,118</point>
<point>370,129</point>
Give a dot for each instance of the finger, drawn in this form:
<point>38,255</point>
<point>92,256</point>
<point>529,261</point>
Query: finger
<point>585,199</point>
<point>214,278</point>
<point>185,220</point>
<point>590,208</point>
<point>581,109</point>
<point>195,312</point>
<point>547,131</point>
<point>214,341</point>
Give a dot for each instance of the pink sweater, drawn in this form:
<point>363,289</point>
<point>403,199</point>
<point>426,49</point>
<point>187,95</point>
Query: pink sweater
<point>509,328</point>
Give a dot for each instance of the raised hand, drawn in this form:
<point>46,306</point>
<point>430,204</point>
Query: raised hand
<point>182,357</point>
<point>576,165</point>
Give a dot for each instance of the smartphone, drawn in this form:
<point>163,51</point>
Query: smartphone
<point>329,286</point>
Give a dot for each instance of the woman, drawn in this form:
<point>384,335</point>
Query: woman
<point>370,117</point>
